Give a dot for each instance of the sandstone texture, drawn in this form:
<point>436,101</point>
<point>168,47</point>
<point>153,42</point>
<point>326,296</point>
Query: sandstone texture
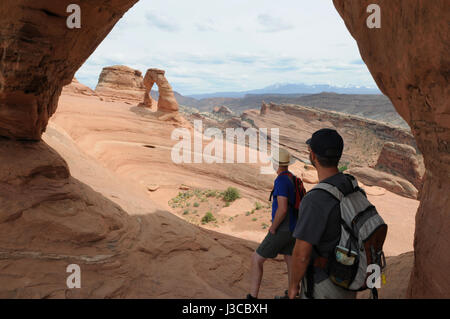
<point>401,160</point>
<point>264,108</point>
<point>222,110</point>
<point>120,83</point>
<point>408,58</point>
<point>77,88</point>
<point>166,100</point>
<point>40,54</point>
<point>364,138</point>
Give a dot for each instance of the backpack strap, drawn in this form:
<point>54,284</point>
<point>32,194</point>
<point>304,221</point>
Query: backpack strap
<point>333,190</point>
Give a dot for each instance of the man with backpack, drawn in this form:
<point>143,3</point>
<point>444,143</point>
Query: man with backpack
<point>338,232</point>
<point>287,193</point>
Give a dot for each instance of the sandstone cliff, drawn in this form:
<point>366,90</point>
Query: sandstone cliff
<point>166,100</point>
<point>120,83</point>
<point>401,160</point>
<point>77,88</point>
<point>408,58</point>
<point>39,55</point>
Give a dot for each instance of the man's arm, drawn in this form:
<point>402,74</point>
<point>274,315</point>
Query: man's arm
<point>280,214</point>
<point>300,261</point>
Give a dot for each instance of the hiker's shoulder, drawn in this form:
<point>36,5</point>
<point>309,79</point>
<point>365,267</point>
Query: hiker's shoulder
<point>319,198</point>
<point>282,179</point>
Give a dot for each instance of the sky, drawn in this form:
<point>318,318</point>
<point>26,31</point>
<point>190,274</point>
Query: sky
<point>209,46</point>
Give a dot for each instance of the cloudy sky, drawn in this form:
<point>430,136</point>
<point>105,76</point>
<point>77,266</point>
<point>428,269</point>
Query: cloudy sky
<point>210,46</point>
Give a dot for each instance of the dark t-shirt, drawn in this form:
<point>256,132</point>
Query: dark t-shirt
<point>319,220</point>
<point>283,186</point>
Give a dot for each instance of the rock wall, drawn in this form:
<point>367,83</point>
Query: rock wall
<point>40,54</point>
<point>166,100</point>
<point>400,160</point>
<point>120,82</point>
<point>77,88</point>
<point>408,58</point>
<point>395,184</point>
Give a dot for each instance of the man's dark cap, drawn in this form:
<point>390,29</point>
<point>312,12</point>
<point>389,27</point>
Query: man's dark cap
<point>326,143</point>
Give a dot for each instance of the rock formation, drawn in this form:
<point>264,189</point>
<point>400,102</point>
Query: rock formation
<point>120,82</point>
<point>40,54</point>
<point>408,58</point>
<point>401,160</point>
<point>166,101</point>
<point>77,88</point>
<point>264,108</point>
<point>222,110</point>
<point>275,107</point>
<point>395,184</point>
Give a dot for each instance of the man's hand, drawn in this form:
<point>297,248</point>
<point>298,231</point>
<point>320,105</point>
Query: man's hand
<point>272,230</point>
<point>300,261</point>
<point>280,214</point>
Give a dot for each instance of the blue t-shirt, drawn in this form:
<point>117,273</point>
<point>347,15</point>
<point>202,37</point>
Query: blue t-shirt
<point>283,186</point>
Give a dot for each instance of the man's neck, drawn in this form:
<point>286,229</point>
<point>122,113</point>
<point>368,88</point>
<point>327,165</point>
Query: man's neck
<point>325,172</point>
<point>282,170</point>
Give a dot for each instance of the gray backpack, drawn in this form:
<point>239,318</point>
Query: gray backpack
<point>363,233</point>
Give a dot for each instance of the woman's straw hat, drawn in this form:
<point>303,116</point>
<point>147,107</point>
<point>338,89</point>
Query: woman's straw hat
<point>282,157</point>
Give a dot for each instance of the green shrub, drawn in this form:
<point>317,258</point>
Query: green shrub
<point>209,217</point>
<point>254,219</point>
<point>231,194</point>
<point>196,204</point>
<point>211,193</point>
<point>186,212</point>
<point>258,206</point>
<point>227,204</point>
<point>343,168</point>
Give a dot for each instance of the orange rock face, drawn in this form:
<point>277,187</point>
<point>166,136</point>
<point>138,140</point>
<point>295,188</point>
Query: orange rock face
<point>166,101</point>
<point>401,160</point>
<point>264,108</point>
<point>120,82</point>
<point>40,54</point>
<point>76,88</point>
<point>408,58</point>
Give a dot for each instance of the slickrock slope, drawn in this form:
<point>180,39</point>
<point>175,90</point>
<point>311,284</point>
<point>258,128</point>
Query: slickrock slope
<point>401,160</point>
<point>120,83</point>
<point>363,138</point>
<point>76,88</point>
<point>166,100</point>
<point>39,55</point>
<point>408,58</point>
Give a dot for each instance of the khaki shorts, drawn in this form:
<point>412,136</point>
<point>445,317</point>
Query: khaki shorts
<point>326,289</point>
<point>280,243</point>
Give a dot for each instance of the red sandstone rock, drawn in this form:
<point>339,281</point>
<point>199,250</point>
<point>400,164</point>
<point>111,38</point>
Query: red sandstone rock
<point>264,108</point>
<point>39,55</point>
<point>395,184</point>
<point>120,83</point>
<point>166,101</point>
<point>222,110</point>
<point>401,160</point>
<point>76,88</point>
<point>408,58</point>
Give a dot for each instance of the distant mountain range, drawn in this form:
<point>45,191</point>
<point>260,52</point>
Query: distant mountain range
<point>292,89</point>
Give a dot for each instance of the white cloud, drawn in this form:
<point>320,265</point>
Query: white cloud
<point>273,24</point>
<point>206,26</point>
<point>161,22</point>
